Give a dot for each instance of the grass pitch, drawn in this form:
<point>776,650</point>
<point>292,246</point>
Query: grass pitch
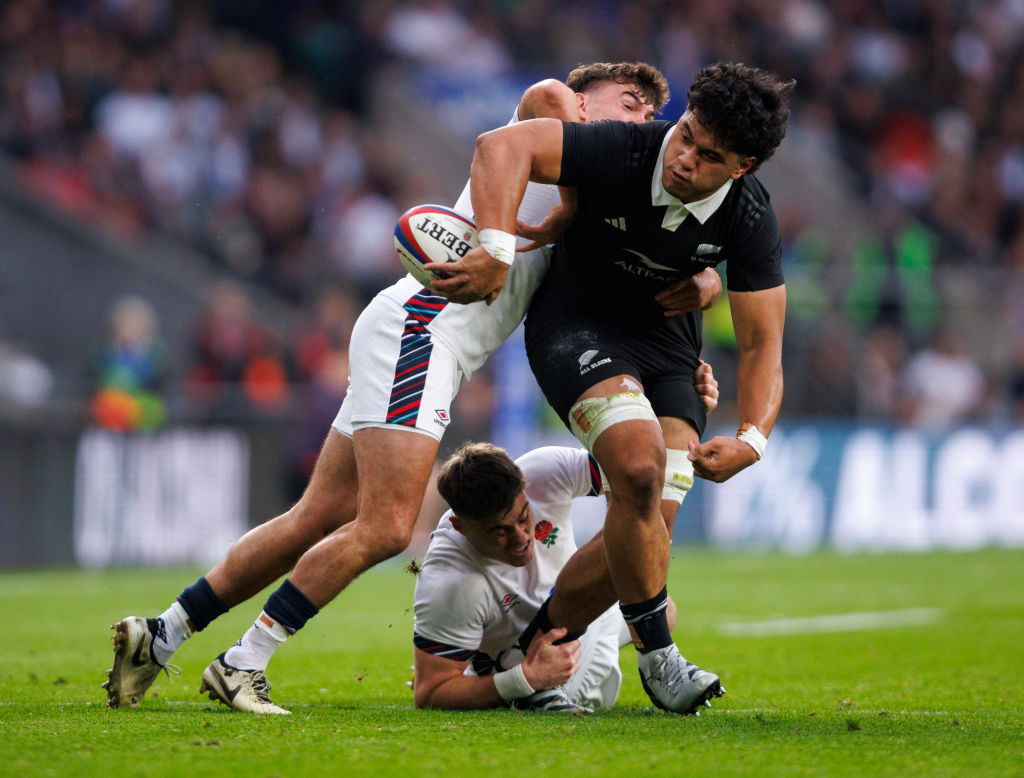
<point>835,665</point>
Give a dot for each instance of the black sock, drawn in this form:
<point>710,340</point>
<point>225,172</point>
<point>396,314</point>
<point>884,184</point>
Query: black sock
<point>201,604</point>
<point>648,623</point>
<point>541,624</point>
<point>289,607</point>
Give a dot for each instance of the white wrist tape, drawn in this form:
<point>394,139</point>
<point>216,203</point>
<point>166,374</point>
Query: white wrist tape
<point>512,684</point>
<point>752,437</point>
<point>500,245</point>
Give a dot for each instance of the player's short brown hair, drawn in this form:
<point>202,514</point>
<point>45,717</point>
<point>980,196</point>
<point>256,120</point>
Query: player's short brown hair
<point>480,481</point>
<point>744,108</point>
<point>648,78</point>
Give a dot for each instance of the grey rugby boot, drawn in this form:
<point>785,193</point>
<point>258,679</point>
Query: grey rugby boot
<point>676,685</point>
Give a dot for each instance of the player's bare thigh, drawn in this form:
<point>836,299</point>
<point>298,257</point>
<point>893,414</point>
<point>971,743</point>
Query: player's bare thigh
<point>329,500</point>
<point>394,467</point>
<point>678,433</point>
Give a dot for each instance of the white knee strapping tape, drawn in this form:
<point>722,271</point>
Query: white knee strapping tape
<point>678,475</point>
<point>590,417</point>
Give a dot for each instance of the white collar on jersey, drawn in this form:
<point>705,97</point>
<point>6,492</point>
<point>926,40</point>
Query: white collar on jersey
<point>677,211</point>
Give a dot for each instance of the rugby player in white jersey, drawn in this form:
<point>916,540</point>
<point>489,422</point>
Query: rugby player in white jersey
<point>409,355</point>
<point>491,564</point>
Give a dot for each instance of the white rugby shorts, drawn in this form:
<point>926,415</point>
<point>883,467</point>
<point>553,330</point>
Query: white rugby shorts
<point>400,377</point>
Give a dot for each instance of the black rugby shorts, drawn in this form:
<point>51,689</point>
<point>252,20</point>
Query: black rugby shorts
<point>570,353</point>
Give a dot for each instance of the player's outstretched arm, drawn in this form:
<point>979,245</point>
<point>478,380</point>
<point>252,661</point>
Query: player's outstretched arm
<point>503,162</point>
<point>758,319</point>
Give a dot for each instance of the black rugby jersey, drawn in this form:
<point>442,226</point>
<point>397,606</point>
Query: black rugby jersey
<point>616,255</point>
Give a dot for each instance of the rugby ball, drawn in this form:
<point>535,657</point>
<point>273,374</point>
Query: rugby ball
<point>432,233</point>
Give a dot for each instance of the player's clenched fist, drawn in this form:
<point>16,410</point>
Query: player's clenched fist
<point>720,458</point>
<point>547,665</point>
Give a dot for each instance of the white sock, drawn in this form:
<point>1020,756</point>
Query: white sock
<point>257,645</point>
<point>173,632</point>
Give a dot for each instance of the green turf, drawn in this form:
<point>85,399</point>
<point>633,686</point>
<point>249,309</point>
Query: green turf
<point>935,699</point>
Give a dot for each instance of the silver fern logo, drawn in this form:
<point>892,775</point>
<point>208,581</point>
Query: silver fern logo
<point>706,253</point>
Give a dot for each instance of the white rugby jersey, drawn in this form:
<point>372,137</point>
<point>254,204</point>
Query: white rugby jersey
<point>466,604</point>
<point>474,331</point>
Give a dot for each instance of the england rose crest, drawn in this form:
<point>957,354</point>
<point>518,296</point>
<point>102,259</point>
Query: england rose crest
<point>546,533</point>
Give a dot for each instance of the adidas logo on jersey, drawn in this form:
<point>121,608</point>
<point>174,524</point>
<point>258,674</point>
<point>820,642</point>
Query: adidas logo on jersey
<point>619,222</point>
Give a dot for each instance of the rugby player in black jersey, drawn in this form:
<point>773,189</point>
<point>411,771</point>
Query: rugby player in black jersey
<point>607,337</point>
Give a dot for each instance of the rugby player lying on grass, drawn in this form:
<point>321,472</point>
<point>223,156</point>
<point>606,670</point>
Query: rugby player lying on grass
<point>491,564</point>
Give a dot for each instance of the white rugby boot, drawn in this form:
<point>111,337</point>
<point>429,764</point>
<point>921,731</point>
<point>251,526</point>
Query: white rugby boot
<point>134,668</point>
<point>676,685</point>
<point>242,690</point>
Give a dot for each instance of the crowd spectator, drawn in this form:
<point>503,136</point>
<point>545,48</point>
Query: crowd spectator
<point>238,366</point>
<point>25,380</point>
<point>320,370</point>
<point>321,397</point>
<point>1015,393</point>
<point>334,314</point>
<point>130,367</point>
<point>878,375</point>
<point>943,386</point>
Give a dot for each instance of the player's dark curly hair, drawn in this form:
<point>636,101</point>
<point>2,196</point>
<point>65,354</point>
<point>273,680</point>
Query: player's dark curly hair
<point>744,108</point>
<point>480,481</point>
<point>652,83</point>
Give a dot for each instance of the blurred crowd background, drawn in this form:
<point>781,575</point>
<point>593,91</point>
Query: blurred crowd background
<point>278,142</point>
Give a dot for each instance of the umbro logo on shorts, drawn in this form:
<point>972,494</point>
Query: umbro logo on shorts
<point>443,417</point>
